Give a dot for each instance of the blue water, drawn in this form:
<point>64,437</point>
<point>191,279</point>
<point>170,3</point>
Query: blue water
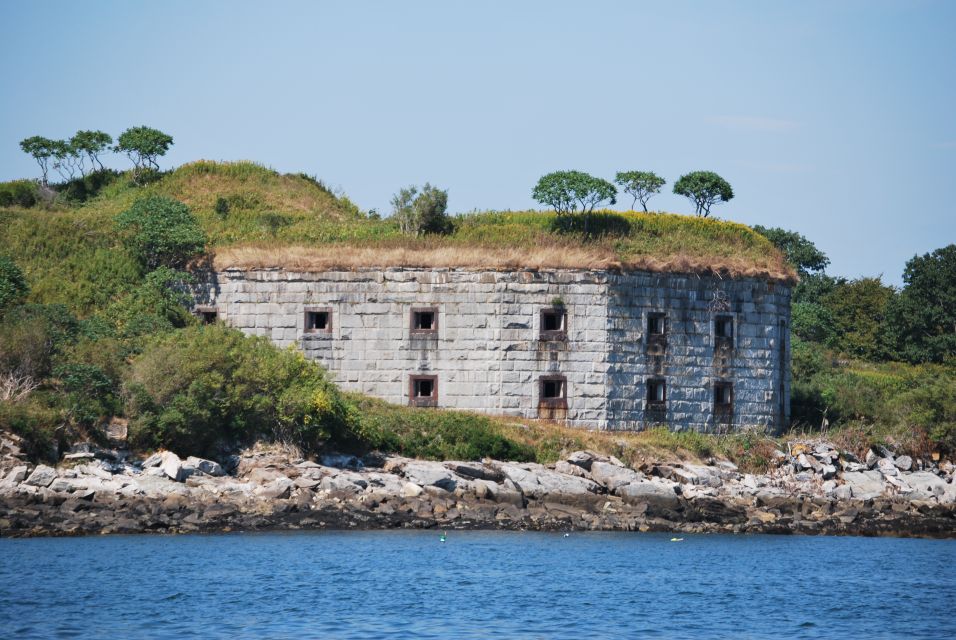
<point>476,585</point>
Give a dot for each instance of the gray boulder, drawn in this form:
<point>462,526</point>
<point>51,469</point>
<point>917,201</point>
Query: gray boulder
<point>563,466</point>
<point>925,485</point>
<point>612,476</point>
<point>537,482</point>
<point>430,474</point>
<point>42,476</point>
<point>903,463</point>
<point>886,467</point>
<point>343,483</point>
<point>864,484</point>
<point>208,467</point>
<point>277,489</point>
<point>474,471</point>
<point>174,468</point>
<point>17,475</point>
<point>153,461</point>
<point>582,459</point>
<point>654,493</point>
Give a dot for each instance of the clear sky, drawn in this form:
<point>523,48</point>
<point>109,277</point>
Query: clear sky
<point>835,119</point>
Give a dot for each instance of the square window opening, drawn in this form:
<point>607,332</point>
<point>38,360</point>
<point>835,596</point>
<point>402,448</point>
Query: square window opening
<point>724,327</point>
<point>209,317</point>
<point>423,391</point>
<point>424,388</point>
<point>552,320</point>
<point>723,395</point>
<point>552,389</point>
<point>424,320</point>
<point>318,321</point>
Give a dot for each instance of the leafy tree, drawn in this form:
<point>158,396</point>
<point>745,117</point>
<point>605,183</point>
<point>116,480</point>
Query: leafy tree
<point>812,321</point>
<point>641,185</point>
<point>420,212</point>
<point>13,285</point>
<point>42,150</point>
<point>66,160</point>
<point>800,252</point>
<point>858,309</point>
<point>143,146</point>
<point>161,232</point>
<point>92,143</point>
<point>922,319</point>
<point>704,189</point>
<point>564,191</point>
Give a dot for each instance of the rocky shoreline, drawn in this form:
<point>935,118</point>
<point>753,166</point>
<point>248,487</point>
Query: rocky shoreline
<point>812,489</point>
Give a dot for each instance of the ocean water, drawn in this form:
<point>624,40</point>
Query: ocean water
<point>396,584</point>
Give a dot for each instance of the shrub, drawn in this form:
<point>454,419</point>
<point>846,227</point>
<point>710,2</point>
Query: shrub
<point>158,305</point>
<point>37,423</point>
<point>89,392</point>
<point>20,193</point>
<point>222,208</point>
<point>13,285</point>
<point>421,212</point>
<point>210,386</point>
<point>32,336</point>
<point>161,232</point>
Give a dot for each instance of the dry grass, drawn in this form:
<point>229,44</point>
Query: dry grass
<point>545,256</point>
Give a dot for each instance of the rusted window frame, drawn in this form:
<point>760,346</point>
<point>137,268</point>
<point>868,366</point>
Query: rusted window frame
<point>423,332</point>
<point>561,401</point>
<point>557,334</point>
<point>422,401</point>
<point>312,310</point>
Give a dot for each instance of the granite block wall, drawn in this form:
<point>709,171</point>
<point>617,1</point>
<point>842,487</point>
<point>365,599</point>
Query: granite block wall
<point>492,352</point>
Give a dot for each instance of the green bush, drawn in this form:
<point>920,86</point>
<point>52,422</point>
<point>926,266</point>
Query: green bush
<point>158,305</point>
<point>13,285</point>
<point>37,422</point>
<point>32,337</point>
<point>210,387</point>
<point>432,434</point>
<point>161,232</point>
<point>19,193</point>
<point>89,392</point>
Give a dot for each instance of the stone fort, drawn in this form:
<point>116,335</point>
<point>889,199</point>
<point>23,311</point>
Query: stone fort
<point>592,348</point>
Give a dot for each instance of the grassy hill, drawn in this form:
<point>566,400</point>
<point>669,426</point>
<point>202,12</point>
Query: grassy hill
<point>71,254</point>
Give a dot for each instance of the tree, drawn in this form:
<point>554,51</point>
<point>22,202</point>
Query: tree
<point>66,160</point>
<point>564,191</point>
<point>92,143</point>
<point>42,150</point>
<point>161,232</point>
<point>921,321</point>
<point>704,189</point>
<point>641,185</point>
<point>858,309</point>
<point>143,145</point>
<point>13,286</point>
<point>420,212</point>
<point>800,252</point>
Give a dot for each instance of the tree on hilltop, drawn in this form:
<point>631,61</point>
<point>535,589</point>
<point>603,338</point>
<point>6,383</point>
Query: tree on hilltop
<point>641,185</point>
<point>143,145</point>
<point>42,150</point>
<point>421,212</point>
<point>564,191</point>
<point>92,143</point>
<point>704,189</point>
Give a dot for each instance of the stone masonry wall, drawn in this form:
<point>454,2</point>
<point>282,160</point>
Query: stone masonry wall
<point>487,353</point>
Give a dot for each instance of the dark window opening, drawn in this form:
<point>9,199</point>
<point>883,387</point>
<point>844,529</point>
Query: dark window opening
<point>317,321</point>
<point>209,317</point>
<point>723,398</point>
<point>552,397</point>
<point>423,391</point>
<point>723,332</point>
<point>656,324</point>
<point>656,393</point>
<point>553,324</point>
<point>424,320</point>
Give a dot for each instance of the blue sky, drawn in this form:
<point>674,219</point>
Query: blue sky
<point>835,119</point>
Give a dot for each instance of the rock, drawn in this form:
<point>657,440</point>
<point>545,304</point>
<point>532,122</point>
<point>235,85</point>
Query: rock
<point>475,471</point>
<point>430,474</point>
<point>154,460</point>
<point>42,476</point>
<point>852,466</point>
<point>613,476</point>
<point>563,466</point>
<point>208,467</point>
<point>654,493</point>
<point>842,492</point>
<point>343,483</point>
<point>277,489</point>
<point>341,461</point>
<point>871,458</point>
<point>17,475</point>
<point>62,485</point>
<point>537,482</point>
<point>886,467</point>
<point>411,490</point>
<point>83,455</point>
<point>925,485</point>
<point>864,484</point>
<point>582,459</point>
<point>304,482</point>
<point>903,463</point>
<point>828,471</point>
<point>173,467</point>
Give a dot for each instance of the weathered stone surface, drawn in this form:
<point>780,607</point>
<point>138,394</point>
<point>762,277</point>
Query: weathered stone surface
<point>903,463</point>
<point>430,474</point>
<point>925,485</point>
<point>864,484</point>
<point>208,467</point>
<point>17,475</point>
<point>535,481</point>
<point>42,476</point>
<point>652,492</point>
<point>411,490</point>
<point>173,467</point>
<point>613,476</point>
<point>279,488</point>
<point>475,471</point>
